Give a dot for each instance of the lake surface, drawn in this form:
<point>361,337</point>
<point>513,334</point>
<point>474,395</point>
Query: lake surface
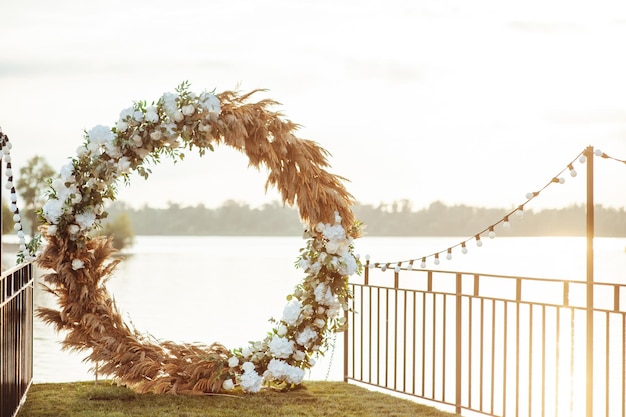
<point>224,289</point>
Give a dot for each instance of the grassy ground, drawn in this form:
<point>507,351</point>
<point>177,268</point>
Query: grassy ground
<point>315,399</point>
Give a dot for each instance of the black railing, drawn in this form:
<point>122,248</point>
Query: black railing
<point>16,337</point>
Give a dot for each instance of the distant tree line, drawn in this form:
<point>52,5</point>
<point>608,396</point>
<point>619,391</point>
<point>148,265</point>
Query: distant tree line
<point>395,219</point>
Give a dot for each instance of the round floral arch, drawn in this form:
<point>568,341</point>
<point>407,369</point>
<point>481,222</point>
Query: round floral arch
<point>78,262</point>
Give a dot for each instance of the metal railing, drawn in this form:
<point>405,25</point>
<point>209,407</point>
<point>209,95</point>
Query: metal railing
<point>491,344</point>
<point>16,337</point>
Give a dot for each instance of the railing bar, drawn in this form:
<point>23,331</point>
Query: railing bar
<point>543,360</point>
<point>370,337</point>
<point>530,359</point>
<point>493,350</point>
<point>481,351</point>
<point>423,344</point>
<point>470,343</point>
<point>517,347</point>
<point>404,344</point>
<point>414,322</point>
<point>505,354</point>
<point>444,349</point>
<point>362,329</point>
<point>15,293</point>
<point>378,337</point>
<point>386,336</point>
<point>557,359</point>
<point>606,364</point>
<point>395,337</point>
<point>623,365</point>
<point>434,350</point>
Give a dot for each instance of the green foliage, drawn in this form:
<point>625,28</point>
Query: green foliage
<point>121,229</point>
<point>32,181</point>
<point>7,218</point>
<point>313,399</point>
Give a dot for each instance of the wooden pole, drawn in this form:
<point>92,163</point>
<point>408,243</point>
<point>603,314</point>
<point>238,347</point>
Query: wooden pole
<point>590,235</point>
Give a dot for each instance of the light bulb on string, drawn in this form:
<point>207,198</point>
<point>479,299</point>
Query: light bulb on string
<point>572,171</point>
<point>505,223</point>
<point>492,233</point>
<point>598,152</point>
<point>532,195</point>
<point>559,180</point>
<point>384,267</point>
<point>463,248</point>
<point>479,242</point>
<point>449,254</point>
<point>436,259</point>
<point>423,263</point>
<point>397,268</point>
<point>410,265</point>
<point>520,211</point>
<point>582,159</point>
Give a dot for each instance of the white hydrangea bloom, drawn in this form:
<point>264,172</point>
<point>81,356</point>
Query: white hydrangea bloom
<point>281,347</point>
<point>306,336</point>
<point>251,381</point>
<point>228,384</point>
<point>292,311</point>
<point>67,172</point>
<point>281,370</point>
<point>53,210</point>
<point>152,115</point>
<point>86,219</point>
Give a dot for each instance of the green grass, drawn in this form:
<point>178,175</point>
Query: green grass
<point>315,399</point>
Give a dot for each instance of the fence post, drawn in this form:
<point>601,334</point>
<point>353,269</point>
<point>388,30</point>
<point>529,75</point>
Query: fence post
<point>590,235</point>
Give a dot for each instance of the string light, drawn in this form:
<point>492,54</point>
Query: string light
<point>519,212</point>
<point>17,219</point>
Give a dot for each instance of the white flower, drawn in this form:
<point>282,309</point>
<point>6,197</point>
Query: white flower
<point>123,165</point>
<point>210,103</point>
<point>86,219</point>
<point>73,229</point>
<point>246,352</point>
<point>121,126</point>
<point>311,361</point>
<point>228,384</point>
<point>335,232</point>
<point>281,330</point>
<point>77,264</point>
<point>156,135</point>
<point>138,115</point>
<point>348,265</point>
<point>233,361</point>
<point>67,172</point>
<point>251,381</point>
<point>281,347</point>
<point>292,311</point>
<point>112,150</point>
<point>323,295</point>
<point>53,210</point>
<point>319,323</point>
<point>247,367</point>
<point>188,110</point>
<point>151,114</point>
<point>127,113</point>
<point>52,230</point>
<point>299,355</point>
<point>100,135</point>
<point>306,336</point>
<point>178,116</point>
<point>281,370</point>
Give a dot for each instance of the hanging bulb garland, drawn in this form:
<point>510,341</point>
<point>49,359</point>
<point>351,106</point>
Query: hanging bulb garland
<point>490,230</point>
<point>17,220</point>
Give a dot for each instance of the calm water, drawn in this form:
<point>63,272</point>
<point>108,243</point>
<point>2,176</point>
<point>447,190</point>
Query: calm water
<point>225,289</point>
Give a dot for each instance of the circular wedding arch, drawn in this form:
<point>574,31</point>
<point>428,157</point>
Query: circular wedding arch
<point>78,262</point>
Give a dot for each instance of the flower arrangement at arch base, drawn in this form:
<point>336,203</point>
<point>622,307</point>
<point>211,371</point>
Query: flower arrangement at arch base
<point>78,263</point>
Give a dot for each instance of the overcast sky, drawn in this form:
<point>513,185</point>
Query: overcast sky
<point>464,102</point>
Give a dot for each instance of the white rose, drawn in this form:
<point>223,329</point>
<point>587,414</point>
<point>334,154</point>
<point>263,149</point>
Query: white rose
<point>233,361</point>
<point>151,114</point>
<point>156,135</point>
<point>228,384</point>
<point>188,110</point>
<point>73,229</point>
<point>77,264</point>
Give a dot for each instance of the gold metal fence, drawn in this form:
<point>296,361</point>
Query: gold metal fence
<point>489,344</point>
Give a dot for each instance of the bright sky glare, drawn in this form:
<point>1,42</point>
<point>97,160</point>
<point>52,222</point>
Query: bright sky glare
<point>463,102</point>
